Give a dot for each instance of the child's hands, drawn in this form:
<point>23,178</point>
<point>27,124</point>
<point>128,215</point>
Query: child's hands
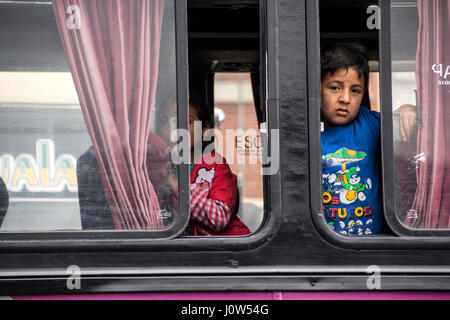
<point>203,187</point>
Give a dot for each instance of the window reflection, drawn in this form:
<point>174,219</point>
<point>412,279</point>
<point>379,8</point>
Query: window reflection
<point>235,109</point>
<point>47,159</point>
<point>420,106</point>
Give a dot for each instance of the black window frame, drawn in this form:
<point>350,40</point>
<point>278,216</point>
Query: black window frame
<point>405,238</point>
<point>166,240</point>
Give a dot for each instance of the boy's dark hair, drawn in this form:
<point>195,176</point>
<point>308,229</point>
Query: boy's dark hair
<point>345,56</point>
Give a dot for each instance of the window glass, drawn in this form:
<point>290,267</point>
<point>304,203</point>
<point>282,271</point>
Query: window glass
<point>85,134</point>
<point>421,102</point>
<point>236,119</point>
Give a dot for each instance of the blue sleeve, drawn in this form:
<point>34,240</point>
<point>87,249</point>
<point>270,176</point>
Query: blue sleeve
<point>372,120</point>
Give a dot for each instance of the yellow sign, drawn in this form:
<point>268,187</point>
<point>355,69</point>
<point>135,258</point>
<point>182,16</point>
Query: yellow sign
<point>40,174</point>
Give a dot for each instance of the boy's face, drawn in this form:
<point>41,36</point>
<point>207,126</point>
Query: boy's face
<point>342,94</point>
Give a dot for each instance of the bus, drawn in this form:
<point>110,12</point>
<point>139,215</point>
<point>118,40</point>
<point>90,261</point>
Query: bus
<point>94,98</point>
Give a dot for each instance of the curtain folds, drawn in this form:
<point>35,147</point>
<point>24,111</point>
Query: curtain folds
<point>432,203</point>
<point>113,52</point>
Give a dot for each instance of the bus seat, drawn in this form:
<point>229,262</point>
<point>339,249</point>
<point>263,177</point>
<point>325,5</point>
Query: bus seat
<point>249,213</point>
<point>94,209</point>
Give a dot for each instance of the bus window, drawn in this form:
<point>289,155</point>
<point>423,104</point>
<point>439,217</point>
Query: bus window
<point>351,122</point>
<point>421,91</point>
<point>223,72</point>
<point>408,84</point>
<point>87,114</point>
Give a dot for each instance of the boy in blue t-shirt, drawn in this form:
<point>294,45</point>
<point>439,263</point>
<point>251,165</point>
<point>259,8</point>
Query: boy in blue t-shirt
<point>350,144</point>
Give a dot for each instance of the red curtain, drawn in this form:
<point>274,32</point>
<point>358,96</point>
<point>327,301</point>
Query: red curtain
<point>431,205</point>
<point>113,51</point>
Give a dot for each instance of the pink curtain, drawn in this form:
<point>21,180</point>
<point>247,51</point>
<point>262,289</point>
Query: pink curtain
<point>432,200</point>
<point>113,51</point>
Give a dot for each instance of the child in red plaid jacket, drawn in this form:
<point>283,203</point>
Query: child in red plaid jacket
<point>213,199</point>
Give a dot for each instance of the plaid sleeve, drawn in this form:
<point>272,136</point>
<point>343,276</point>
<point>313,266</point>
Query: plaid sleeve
<point>211,213</point>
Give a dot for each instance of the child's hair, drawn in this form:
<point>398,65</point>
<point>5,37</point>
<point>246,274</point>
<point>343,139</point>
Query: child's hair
<point>204,115</point>
<point>345,56</point>
<point>203,111</point>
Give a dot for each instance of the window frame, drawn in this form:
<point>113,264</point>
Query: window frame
<point>162,240</point>
<point>406,238</point>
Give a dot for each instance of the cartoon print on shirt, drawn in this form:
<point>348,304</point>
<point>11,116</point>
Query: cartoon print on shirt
<point>353,189</point>
<point>344,186</point>
<point>346,182</point>
<point>329,179</point>
<point>203,176</point>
